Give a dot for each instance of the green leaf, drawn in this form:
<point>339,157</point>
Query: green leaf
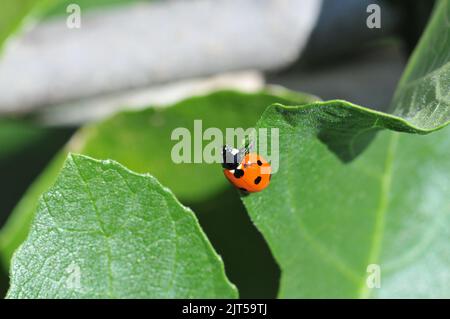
<point>423,94</point>
<point>16,135</point>
<point>59,7</point>
<point>329,214</point>
<point>141,141</point>
<point>12,13</point>
<point>20,141</point>
<point>103,231</point>
<point>16,229</point>
<point>326,220</point>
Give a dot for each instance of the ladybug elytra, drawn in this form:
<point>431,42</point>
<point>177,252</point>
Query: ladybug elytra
<point>249,172</point>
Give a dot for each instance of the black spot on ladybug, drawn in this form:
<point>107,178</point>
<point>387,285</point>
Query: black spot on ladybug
<point>238,173</point>
<point>243,189</point>
<point>257,180</point>
<point>259,163</point>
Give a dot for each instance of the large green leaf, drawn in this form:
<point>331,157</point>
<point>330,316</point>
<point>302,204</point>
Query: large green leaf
<point>326,219</point>
<point>327,215</point>
<point>103,231</point>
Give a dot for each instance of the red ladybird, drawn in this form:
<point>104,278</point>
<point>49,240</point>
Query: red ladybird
<point>249,172</point>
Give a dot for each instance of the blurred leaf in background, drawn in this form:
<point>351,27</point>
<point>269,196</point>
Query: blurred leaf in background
<point>21,141</point>
<point>12,14</point>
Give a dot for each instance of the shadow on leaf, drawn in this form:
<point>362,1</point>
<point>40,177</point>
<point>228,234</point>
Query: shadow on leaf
<point>247,258</point>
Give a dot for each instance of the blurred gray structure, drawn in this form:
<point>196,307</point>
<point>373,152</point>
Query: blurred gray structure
<point>122,49</point>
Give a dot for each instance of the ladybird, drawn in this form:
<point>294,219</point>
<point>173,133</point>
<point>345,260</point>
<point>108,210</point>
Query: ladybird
<point>247,171</point>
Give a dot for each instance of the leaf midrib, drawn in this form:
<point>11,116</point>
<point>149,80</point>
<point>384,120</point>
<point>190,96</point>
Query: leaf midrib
<point>102,229</point>
<point>385,186</point>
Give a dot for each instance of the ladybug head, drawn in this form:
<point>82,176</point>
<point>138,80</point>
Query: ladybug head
<point>232,157</point>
